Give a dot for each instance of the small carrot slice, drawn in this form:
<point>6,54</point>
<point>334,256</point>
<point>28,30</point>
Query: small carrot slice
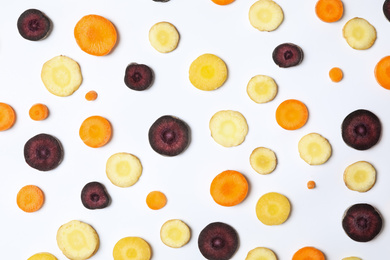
<point>91,95</point>
<point>223,2</point>
<point>291,114</point>
<point>382,72</point>
<point>30,198</point>
<point>336,74</point>
<point>329,11</point>
<point>308,253</point>
<point>156,200</point>
<point>95,35</point>
<point>38,112</point>
<point>7,116</point>
<point>311,185</point>
<point>95,131</point>
<point>229,188</point>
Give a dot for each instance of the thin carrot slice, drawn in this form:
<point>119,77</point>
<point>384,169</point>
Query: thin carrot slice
<point>95,35</point>
<point>38,112</point>
<point>382,72</point>
<point>30,198</point>
<point>91,95</point>
<point>336,74</point>
<point>308,253</point>
<point>223,2</point>
<point>311,185</point>
<point>95,131</point>
<point>7,116</point>
<point>229,188</point>
<point>291,114</point>
<point>329,11</point>
<point>156,200</point>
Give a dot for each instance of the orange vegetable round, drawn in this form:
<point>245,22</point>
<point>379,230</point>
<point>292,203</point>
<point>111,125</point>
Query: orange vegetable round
<point>223,2</point>
<point>7,116</point>
<point>329,10</point>
<point>95,35</point>
<point>308,253</point>
<point>229,188</point>
<point>156,200</point>
<point>30,198</point>
<point>95,131</point>
<point>336,74</point>
<point>291,114</point>
<point>382,72</point>
<point>91,95</point>
<point>38,112</point>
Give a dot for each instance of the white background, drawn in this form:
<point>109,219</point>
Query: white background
<point>204,27</point>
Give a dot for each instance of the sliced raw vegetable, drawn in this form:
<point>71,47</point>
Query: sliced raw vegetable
<point>360,176</point>
<point>314,149</point>
<point>262,89</point>
<point>263,160</point>
<point>164,37</point>
<point>123,169</point>
<point>95,131</point>
<point>359,33</point>
<point>175,233</point>
<point>266,15</point>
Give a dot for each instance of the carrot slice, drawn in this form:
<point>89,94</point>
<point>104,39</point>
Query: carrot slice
<point>95,131</point>
<point>382,72</point>
<point>30,198</point>
<point>156,200</point>
<point>38,112</point>
<point>95,35</point>
<point>91,95</point>
<point>308,253</point>
<point>311,185</point>
<point>223,2</point>
<point>329,10</point>
<point>229,188</point>
<point>336,74</point>
<point>7,116</point>
<point>291,114</point>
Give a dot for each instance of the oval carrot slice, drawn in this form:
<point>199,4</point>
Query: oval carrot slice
<point>308,253</point>
<point>336,74</point>
<point>229,188</point>
<point>291,114</point>
<point>329,11</point>
<point>95,131</point>
<point>223,2</point>
<point>30,198</point>
<point>156,200</point>
<point>382,72</point>
<point>95,35</point>
<point>38,112</point>
<point>7,116</point>
<point>91,95</point>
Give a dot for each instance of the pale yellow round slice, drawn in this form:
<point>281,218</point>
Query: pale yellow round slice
<point>132,248</point>
<point>261,253</point>
<point>266,15</point>
<point>175,233</point>
<point>273,208</point>
<point>123,169</point>
<point>263,160</point>
<point>352,258</point>
<point>359,33</point>
<point>61,76</point>
<point>42,256</point>
<point>360,176</point>
<point>77,240</point>
<point>164,37</point>
<point>228,128</point>
<point>314,149</point>
<point>208,72</point>
<point>262,89</point>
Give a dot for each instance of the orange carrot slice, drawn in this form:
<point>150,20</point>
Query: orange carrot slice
<point>95,35</point>
<point>7,116</point>
<point>38,112</point>
<point>223,2</point>
<point>229,188</point>
<point>30,198</point>
<point>382,72</point>
<point>336,74</point>
<point>91,95</point>
<point>95,131</point>
<point>308,253</point>
<point>329,10</point>
<point>291,114</point>
<point>156,200</point>
<point>311,185</point>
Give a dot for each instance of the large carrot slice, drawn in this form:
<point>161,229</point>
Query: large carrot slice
<point>308,253</point>
<point>291,114</point>
<point>229,188</point>
<point>30,198</point>
<point>95,131</point>
<point>382,72</point>
<point>329,10</point>
<point>95,35</point>
<point>7,116</point>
